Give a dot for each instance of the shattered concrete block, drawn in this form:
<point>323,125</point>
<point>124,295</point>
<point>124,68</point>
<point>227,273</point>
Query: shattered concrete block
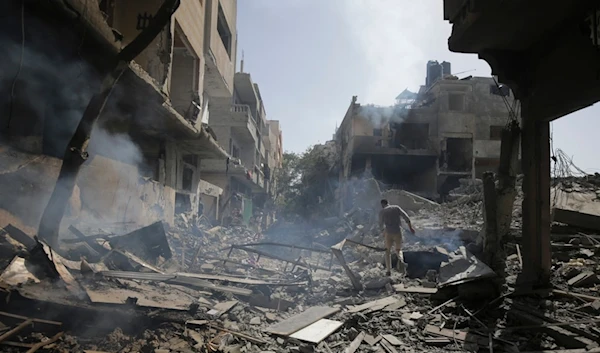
<point>255,321</point>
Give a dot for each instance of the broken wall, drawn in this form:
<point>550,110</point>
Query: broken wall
<point>123,197</point>
<point>210,196</point>
<point>221,57</point>
<point>130,17</point>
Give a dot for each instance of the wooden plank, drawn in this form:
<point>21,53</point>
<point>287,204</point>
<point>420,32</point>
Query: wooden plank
<point>224,307</point>
<point>198,283</point>
<point>459,335</point>
<point>300,321</point>
<point>355,343</point>
<point>70,282</point>
<point>575,295</point>
<point>249,281</point>
<point>388,347</point>
<point>562,337</point>
<point>394,341</point>
<point>395,306</point>
<point>375,303</point>
<point>16,330</point>
<point>38,321</point>
<point>420,290</point>
<point>184,281</point>
<point>337,252</point>
<point>372,340</point>
<point>317,331</point>
<point>42,344</point>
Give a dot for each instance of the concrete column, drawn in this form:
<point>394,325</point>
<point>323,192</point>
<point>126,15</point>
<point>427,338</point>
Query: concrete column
<point>535,144</point>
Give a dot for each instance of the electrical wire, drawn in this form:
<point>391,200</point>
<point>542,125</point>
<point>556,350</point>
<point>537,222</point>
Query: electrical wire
<point>14,83</point>
<point>512,116</point>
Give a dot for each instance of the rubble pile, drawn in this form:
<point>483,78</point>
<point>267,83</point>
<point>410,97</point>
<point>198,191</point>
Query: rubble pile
<point>317,287</point>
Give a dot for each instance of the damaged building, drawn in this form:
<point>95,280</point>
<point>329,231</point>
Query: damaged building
<point>427,141</point>
<point>147,149</point>
<point>254,144</point>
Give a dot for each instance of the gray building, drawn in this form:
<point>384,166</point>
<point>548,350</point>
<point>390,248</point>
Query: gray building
<point>451,130</point>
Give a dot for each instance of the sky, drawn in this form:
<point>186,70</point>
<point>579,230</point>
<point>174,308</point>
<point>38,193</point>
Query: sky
<point>310,57</point>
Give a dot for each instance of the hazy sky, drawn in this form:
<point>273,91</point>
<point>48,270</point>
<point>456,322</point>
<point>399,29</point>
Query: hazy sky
<point>311,56</point>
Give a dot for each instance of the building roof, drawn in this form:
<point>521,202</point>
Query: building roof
<point>406,94</point>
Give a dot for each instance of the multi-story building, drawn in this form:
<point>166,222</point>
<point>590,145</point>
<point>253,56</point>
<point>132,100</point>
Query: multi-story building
<point>161,106</point>
<point>241,127</point>
<point>274,145</point>
<point>450,130</point>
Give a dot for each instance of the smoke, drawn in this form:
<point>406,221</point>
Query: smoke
<point>45,86</point>
<point>381,116</point>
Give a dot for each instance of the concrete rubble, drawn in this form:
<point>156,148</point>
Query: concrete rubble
<point>297,287</point>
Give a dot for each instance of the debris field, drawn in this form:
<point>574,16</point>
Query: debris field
<point>305,288</point>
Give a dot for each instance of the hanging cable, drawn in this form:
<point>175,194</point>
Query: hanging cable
<point>14,83</point>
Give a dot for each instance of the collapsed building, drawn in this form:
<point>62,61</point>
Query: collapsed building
<point>450,129</point>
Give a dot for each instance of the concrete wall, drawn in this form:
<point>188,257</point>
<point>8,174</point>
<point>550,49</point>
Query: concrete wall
<point>156,58</point>
<point>210,195</point>
<point>482,110</point>
<point>486,149</point>
<point>108,192</point>
<point>182,81</point>
<point>214,48</point>
<point>190,16</point>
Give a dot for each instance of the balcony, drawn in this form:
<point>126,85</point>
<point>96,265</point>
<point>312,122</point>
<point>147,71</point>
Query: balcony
<point>377,145</point>
<point>220,29</point>
<point>250,178</point>
<point>239,118</point>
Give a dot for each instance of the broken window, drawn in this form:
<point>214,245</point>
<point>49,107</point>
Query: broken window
<point>459,154</point>
<point>182,203</point>
<point>413,136</point>
<point>188,176</point>
<point>190,159</point>
<point>107,7</point>
<point>378,133</point>
<point>496,132</point>
<point>500,90</point>
<point>185,77</point>
<point>235,152</point>
<point>456,102</point>
<point>224,32</point>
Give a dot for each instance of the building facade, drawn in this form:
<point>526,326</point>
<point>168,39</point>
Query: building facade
<point>150,143</point>
<point>254,144</point>
<point>450,130</point>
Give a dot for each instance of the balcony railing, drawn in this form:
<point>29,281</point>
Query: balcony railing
<point>244,109</point>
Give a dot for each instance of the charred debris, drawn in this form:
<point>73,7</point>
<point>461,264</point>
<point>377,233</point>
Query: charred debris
<point>195,287</point>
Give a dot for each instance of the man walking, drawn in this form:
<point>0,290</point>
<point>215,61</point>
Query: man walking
<point>390,218</point>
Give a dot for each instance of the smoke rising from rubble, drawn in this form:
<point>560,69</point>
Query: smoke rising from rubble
<point>50,96</point>
<point>381,115</point>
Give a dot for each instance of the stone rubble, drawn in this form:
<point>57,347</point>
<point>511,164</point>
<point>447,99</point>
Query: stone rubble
<point>400,313</point>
